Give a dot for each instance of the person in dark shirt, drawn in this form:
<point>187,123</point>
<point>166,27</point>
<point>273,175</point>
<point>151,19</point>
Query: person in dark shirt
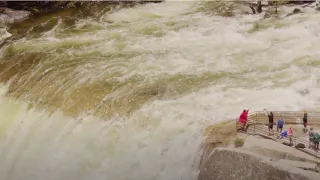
<point>305,121</point>
<point>270,116</point>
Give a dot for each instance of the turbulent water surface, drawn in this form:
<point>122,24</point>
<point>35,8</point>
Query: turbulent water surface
<point>127,94</point>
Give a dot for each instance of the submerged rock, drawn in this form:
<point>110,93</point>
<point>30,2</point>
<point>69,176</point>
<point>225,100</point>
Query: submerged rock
<point>234,164</point>
<point>295,11</point>
<point>12,16</point>
<point>267,15</point>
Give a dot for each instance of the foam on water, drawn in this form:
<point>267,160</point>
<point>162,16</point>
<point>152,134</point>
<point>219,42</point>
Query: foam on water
<point>4,33</point>
<point>274,66</point>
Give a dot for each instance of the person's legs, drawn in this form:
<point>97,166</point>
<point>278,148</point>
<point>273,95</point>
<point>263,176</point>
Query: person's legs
<point>280,128</point>
<point>242,126</point>
<point>239,125</point>
<point>305,126</point>
<point>245,127</point>
<point>269,127</point>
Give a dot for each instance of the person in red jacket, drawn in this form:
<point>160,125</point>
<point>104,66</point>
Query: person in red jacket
<point>243,119</point>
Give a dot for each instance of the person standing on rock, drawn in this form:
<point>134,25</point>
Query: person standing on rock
<point>305,121</point>
<point>280,124</point>
<point>316,141</point>
<point>290,134</point>
<point>243,119</point>
<point>270,116</point>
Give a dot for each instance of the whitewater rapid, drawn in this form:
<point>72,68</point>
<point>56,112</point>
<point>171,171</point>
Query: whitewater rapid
<point>128,94</point>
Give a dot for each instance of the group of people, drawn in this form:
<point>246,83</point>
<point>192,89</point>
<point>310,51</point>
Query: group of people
<point>314,138</point>
<point>283,133</point>
<point>280,122</point>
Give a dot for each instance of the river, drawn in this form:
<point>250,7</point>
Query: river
<point>127,94</point>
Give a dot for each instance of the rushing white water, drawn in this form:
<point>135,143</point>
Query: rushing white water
<point>4,33</point>
<point>199,69</point>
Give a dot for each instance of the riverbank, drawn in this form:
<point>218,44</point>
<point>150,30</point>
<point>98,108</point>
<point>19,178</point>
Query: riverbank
<point>18,11</point>
<point>10,11</point>
<point>48,6</point>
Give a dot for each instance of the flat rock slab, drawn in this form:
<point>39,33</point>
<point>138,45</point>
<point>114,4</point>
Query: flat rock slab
<point>299,164</point>
<point>256,142</point>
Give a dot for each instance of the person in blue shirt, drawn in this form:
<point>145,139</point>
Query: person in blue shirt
<point>284,134</point>
<point>280,124</point>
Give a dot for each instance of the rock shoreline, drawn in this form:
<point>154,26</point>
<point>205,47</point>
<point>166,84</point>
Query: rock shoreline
<point>17,11</point>
<point>266,158</point>
<point>47,6</point>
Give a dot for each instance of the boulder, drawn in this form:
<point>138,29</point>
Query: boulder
<point>300,146</point>
<point>287,144</point>
<point>234,164</point>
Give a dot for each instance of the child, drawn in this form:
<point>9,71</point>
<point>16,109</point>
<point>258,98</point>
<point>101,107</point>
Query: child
<point>284,134</point>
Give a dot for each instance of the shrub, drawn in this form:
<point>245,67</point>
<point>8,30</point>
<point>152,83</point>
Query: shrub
<point>238,142</point>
